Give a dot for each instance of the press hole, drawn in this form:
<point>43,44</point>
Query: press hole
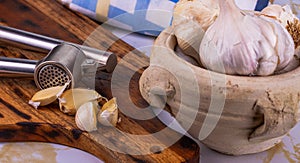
<point>155,149</point>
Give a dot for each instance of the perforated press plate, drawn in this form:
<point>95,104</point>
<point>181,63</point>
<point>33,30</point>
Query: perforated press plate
<point>52,75</point>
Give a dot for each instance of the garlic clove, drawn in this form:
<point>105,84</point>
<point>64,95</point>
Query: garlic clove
<point>72,99</point>
<point>108,115</point>
<point>191,18</point>
<point>204,12</point>
<point>189,36</point>
<point>85,117</point>
<point>47,96</point>
<point>293,64</point>
<point>281,13</point>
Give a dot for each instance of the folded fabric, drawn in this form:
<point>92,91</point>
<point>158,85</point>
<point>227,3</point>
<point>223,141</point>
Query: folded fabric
<point>143,16</point>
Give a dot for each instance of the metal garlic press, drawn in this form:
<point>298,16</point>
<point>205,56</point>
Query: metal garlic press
<point>65,61</point>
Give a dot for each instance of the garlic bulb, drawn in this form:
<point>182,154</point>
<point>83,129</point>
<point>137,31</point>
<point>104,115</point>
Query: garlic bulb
<point>191,18</point>
<point>245,44</point>
<point>287,19</point>
<point>85,117</point>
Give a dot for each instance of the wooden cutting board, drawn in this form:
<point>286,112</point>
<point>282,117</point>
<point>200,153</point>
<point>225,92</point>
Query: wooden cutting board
<point>20,122</point>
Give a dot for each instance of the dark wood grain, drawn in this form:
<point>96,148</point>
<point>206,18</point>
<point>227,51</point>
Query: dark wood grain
<point>20,122</point>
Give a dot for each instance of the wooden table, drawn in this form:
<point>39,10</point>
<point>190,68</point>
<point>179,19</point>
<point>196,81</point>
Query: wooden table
<point>20,122</point>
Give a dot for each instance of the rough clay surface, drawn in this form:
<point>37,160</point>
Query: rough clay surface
<point>257,113</point>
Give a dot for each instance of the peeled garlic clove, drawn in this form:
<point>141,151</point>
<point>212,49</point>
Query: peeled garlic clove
<point>204,12</point>
<point>245,44</point>
<point>189,36</point>
<point>108,115</point>
<point>47,96</point>
<point>72,99</point>
<point>85,117</point>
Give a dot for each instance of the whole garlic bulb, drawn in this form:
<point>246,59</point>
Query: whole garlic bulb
<point>287,19</point>
<point>245,44</point>
<point>191,18</point>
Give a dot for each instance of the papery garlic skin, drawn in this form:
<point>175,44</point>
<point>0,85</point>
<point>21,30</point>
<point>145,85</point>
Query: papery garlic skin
<point>203,12</point>
<point>281,13</point>
<point>191,18</point>
<point>245,44</point>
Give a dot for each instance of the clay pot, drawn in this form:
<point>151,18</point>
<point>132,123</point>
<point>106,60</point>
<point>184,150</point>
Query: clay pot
<point>230,114</point>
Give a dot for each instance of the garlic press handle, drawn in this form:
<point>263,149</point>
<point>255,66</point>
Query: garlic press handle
<point>32,41</point>
<point>27,40</point>
<point>16,67</point>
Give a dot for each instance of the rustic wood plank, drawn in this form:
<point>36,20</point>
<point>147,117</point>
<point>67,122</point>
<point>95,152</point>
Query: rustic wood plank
<point>20,122</point>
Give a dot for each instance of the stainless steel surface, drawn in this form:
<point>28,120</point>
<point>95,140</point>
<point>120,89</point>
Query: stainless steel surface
<point>24,39</point>
<point>62,64</point>
<point>16,67</point>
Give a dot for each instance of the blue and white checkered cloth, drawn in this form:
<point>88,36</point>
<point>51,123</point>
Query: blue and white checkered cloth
<point>143,16</point>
